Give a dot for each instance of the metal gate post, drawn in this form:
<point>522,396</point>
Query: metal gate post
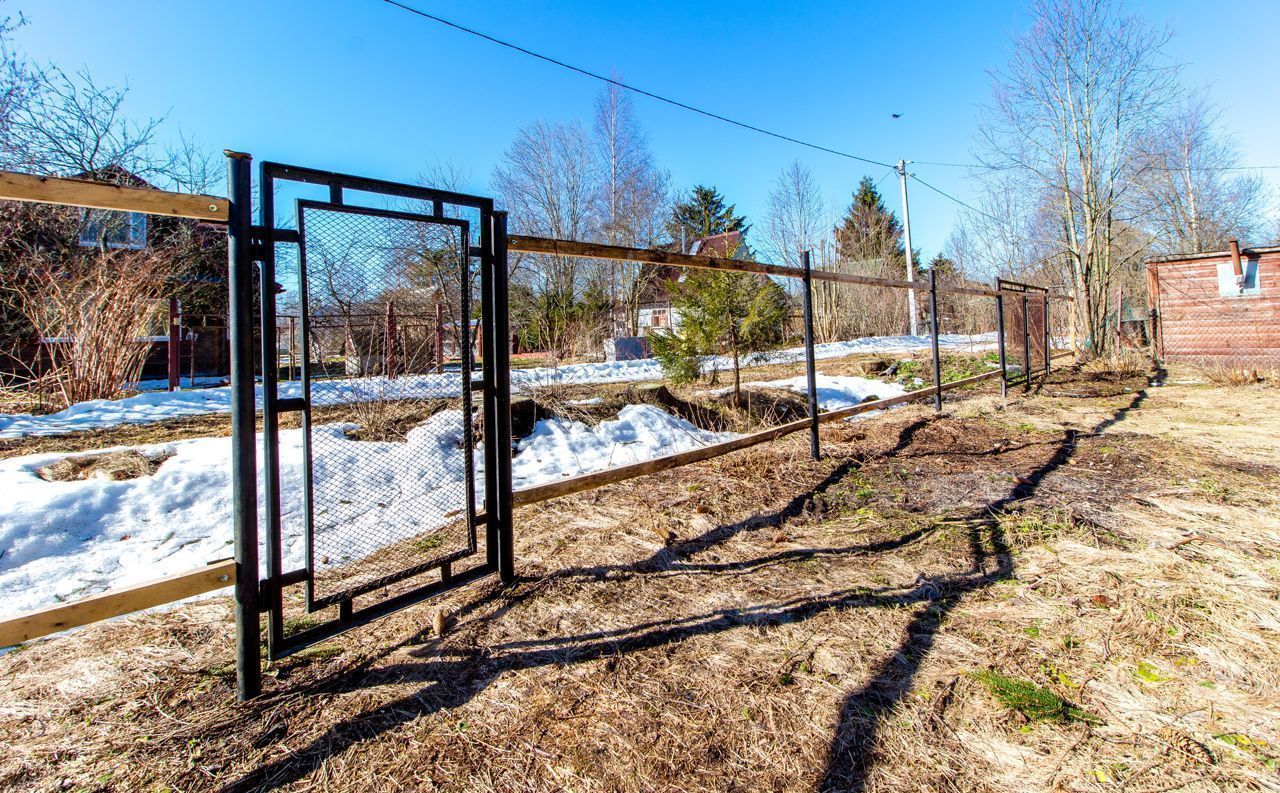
<point>244,473</point>
<point>499,339</point>
<point>1026,344</point>
<point>810,367</point>
<point>272,591</point>
<point>933,332</point>
<point>1004,370</point>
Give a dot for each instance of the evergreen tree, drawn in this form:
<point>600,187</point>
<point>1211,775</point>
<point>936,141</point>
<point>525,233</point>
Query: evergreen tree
<point>869,230</point>
<point>720,313</point>
<point>703,214</point>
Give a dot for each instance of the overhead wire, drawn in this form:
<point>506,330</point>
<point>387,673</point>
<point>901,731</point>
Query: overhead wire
<point>629,87</point>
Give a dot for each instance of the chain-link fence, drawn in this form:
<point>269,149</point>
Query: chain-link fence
<point>385,349</point>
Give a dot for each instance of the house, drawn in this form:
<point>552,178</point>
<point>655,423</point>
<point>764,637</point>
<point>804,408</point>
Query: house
<point>194,311</point>
<point>655,299</point>
<point>1220,308</point>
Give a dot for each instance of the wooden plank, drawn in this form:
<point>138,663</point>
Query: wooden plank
<point>592,250</point>
<point>100,195</point>
<point>578,484</point>
<point>15,630</point>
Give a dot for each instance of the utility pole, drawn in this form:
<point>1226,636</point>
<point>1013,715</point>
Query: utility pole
<point>906,230</point>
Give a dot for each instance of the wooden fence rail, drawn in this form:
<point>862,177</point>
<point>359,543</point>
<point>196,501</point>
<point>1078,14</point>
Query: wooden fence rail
<point>34,624</point>
<point>592,250</point>
<point>101,195</point>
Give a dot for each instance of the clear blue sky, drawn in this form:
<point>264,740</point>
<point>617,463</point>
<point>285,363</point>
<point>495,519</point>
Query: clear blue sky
<point>363,87</point>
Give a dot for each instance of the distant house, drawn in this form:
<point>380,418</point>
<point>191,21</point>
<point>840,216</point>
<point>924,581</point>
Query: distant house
<point>199,294</point>
<point>1220,308</point>
<point>655,299</point>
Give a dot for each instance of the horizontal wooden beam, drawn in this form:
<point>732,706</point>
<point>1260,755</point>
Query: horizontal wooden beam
<point>101,195</point>
<point>34,624</point>
<point>578,484</point>
<point>592,250</point>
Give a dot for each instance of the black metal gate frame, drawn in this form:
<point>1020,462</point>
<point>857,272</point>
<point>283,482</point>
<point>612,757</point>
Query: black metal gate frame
<point>1002,287</point>
<point>249,243</point>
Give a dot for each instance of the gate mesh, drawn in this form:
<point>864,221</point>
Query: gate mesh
<point>388,352</point>
<point>1024,330</point>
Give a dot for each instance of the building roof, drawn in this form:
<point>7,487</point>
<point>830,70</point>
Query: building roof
<point>723,245</point>
<point>1187,257</point>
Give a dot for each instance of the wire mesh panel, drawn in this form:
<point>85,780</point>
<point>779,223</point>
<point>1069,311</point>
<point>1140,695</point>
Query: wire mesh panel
<point>387,351</point>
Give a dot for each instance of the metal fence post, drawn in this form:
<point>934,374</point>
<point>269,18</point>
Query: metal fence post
<point>1048,339</point>
<point>244,473</point>
<point>933,333</point>
<point>1004,368</point>
<point>810,364</point>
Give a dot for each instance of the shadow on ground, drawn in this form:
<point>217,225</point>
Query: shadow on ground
<point>451,677</point>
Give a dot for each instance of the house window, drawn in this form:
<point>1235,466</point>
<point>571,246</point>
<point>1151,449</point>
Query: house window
<point>113,229</point>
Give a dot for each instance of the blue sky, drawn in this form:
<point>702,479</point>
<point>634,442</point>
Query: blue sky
<point>363,87</point>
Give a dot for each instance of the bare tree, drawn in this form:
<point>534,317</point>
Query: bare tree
<point>796,218</point>
<point>1083,87</point>
<point>548,180</point>
<point>1189,194</point>
<point>633,201</point>
<point>71,125</point>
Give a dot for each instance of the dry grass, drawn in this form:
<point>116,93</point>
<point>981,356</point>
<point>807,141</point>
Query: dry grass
<point>765,622</point>
<point>114,466</point>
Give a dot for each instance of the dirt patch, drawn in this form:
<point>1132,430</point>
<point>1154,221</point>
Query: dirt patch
<point>112,466</point>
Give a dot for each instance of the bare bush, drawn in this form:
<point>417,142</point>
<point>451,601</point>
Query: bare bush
<point>93,317</point>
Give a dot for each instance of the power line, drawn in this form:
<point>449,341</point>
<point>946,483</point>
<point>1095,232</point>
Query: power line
<point>1207,168</point>
<point>958,201</point>
<point>632,88</point>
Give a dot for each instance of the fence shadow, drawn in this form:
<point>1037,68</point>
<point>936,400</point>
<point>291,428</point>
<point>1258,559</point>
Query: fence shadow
<point>451,677</point>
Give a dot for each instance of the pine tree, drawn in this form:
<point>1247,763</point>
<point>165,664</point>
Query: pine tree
<point>703,214</point>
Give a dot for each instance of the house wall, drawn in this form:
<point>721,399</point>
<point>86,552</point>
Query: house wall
<point>1198,322</point>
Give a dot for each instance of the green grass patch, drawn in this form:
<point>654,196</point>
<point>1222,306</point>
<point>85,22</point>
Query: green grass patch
<point>1032,701</point>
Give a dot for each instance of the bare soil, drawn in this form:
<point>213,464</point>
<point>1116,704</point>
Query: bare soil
<point>766,622</point>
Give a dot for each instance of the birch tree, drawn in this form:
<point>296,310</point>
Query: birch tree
<point>1083,87</point>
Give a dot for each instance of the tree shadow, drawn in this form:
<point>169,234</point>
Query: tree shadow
<point>451,677</point>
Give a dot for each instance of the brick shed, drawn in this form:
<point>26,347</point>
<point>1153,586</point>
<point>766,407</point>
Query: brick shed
<point>1218,308</point>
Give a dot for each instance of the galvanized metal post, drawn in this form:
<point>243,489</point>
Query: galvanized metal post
<point>1026,343</point>
<point>244,473</point>
<point>809,363</point>
<point>933,335</point>
<point>1004,369</point>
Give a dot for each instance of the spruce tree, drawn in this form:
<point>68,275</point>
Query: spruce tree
<point>702,214</point>
<point>868,229</point>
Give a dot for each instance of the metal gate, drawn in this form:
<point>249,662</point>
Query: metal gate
<point>394,448</point>
<point>1023,329</point>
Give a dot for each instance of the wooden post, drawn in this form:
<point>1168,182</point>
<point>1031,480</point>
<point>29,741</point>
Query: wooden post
<point>439,338</point>
<point>933,336</point>
<point>175,346</point>
<point>293,348</point>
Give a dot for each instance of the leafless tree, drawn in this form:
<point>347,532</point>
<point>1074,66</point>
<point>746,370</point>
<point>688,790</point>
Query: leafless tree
<point>796,218</point>
<point>1083,87</point>
<point>1190,194</point>
<point>549,182</point>
<point>633,201</point>
<point>68,124</point>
